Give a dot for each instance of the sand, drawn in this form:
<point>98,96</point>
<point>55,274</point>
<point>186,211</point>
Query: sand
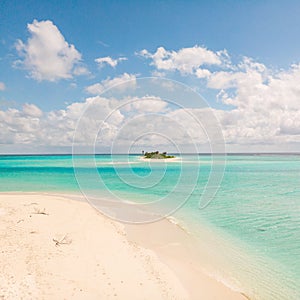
<point>173,159</point>
<point>53,247</point>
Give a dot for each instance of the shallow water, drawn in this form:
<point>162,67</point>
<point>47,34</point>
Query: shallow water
<point>251,227</point>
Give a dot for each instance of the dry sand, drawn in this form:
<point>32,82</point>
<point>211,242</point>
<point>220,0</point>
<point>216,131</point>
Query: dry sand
<point>56,248</point>
<point>174,159</point>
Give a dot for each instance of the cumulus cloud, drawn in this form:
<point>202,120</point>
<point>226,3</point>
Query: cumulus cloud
<point>56,128</point>
<point>146,104</point>
<point>156,73</point>
<point>2,86</point>
<point>148,121</point>
<point>262,107</point>
<point>265,103</point>
<point>107,60</point>
<point>81,70</point>
<point>116,82</point>
<point>246,71</point>
<point>17,126</point>
<point>202,73</point>
<point>32,110</point>
<point>186,60</point>
<point>109,120</point>
<point>47,55</point>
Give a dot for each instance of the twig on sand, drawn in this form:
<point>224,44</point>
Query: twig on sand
<point>21,220</point>
<point>247,297</point>
<point>64,241</point>
<point>38,211</point>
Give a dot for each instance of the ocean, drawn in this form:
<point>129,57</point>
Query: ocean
<point>249,230</point>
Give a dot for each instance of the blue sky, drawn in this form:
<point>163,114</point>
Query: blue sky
<point>267,32</point>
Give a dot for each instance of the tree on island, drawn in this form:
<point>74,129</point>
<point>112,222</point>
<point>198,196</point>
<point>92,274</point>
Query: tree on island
<point>157,155</point>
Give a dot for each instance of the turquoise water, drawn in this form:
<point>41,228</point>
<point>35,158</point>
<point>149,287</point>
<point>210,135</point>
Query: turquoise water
<point>253,222</point>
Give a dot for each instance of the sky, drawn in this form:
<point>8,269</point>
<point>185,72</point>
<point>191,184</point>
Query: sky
<point>58,57</point>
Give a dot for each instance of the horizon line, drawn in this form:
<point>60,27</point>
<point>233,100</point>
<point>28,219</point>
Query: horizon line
<point>138,153</point>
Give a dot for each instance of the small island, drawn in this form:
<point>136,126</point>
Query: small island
<point>157,155</point>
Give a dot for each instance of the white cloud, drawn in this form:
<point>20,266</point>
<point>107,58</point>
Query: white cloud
<point>247,71</point>
<point>258,88</point>
<point>56,128</point>
<point>146,104</point>
<point>226,80</point>
<point>263,111</point>
<point>264,103</point>
<point>18,127</point>
<point>46,54</point>
<point>32,110</point>
<point>145,121</point>
<point>118,83</point>
<point>81,70</point>
<point>202,73</point>
<point>186,60</point>
<point>156,73</point>
<point>102,61</point>
<point>2,86</point>
<point>266,106</point>
<point>290,124</point>
<point>150,115</point>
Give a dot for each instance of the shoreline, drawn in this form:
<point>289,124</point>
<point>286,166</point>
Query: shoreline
<point>176,247</point>
<point>163,258</point>
<point>173,159</point>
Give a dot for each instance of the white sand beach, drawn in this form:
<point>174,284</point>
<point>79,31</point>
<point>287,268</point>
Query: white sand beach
<point>173,159</point>
<point>53,247</point>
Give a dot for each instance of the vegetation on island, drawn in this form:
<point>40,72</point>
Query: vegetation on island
<point>157,155</point>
